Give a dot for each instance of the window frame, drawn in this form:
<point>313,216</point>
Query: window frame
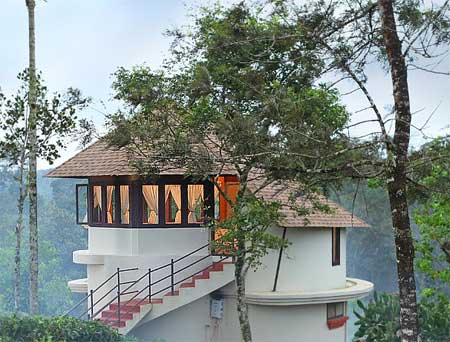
<point>136,202</point>
<point>335,304</point>
<point>91,205</point>
<point>208,194</point>
<point>335,246</point>
<point>140,205</point>
<point>117,206</point>
<point>77,206</point>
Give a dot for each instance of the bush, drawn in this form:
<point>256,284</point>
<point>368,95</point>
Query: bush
<point>379,319</point>
<point>55,329</point>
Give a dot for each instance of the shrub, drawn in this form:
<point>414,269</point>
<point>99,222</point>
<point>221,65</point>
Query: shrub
<point>379,319</point>
<point>55,329</point>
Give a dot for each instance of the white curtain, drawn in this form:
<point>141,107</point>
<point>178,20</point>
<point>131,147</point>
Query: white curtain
<point>195,192</point>
<point>97,204</point>
<point>97,196</point>
<point>150,193</point>
<point>109,203</point>
<point>175,190</point>
<point>125,204</point>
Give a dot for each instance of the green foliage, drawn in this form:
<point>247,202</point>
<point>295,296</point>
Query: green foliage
<point>379,319</point>
<point>56,120</point>
<point>56,329</point>
<point>267,111</point>
<point>250,223</point>
<point>434,313</point>
<point>433,216</point>
<point>374,183</point>
<point>59,236</point>
<point>230,96</point>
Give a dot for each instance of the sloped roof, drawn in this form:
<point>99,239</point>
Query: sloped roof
<point>336,216</point>
<point>99,159</point>
<point>96,160</point>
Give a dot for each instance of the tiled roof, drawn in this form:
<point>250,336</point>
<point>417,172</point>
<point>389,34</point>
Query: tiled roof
<point>336,216</point>
<point>96,160</point>
<point>99,159</point>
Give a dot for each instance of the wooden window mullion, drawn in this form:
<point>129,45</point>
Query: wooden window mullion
<point>184,204</point>
<point>117,208</point>
<point>104,204</point>
<point>209,200</point>
<point>161,204</point>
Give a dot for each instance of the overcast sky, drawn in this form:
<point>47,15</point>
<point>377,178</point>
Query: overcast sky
<point>80,43</point>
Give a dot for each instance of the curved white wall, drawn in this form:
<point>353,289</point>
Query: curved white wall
<point>305,264</point>
<point>193,323</point>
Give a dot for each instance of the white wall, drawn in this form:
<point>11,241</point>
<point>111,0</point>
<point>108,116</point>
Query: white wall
<point>192,323</point>
<point>305,264</point>
<point>142,248</point>
<point>146,241</point>
<point>306,323</point>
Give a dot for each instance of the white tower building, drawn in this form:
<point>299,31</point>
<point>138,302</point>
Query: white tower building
<point>151,272</point>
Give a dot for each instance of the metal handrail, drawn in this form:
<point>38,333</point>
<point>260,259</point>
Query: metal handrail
<point>137,292</point>
<point>202,270</point>
<point>98,301</point>
<point>193,252</point>
<point>190,265</point>
<point>89,295</point>
<point>128,269</point>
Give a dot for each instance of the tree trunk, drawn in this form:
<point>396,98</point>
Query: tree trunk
<point>242,306</point>
<point>398,158</point>
<point>18,233</point>
<point>32,188</point>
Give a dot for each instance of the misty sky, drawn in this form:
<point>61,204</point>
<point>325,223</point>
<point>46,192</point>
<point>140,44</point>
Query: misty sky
<point>81,43</point>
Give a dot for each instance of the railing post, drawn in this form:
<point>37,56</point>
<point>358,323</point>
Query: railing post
<point>92,304</point>
<point>118,295</point>
<point>149,285</point>
<point>172,281</point>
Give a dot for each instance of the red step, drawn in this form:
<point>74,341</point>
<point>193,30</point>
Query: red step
<point>131,305</point>
<point>114,321</point>
<point>191,284</point>
<point>175,293</point>
<point>117,324</point>
<point>216,267</point>
<point>125,307</point>
<point>113,314</point>
<point>204,275</point>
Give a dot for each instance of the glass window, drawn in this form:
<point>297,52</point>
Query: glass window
<point>230,186</point>
<point>110,203</point>
<point>150,204</point>
<point>124,204</point>
<point>335,310</point>
<point>172,203</point>
<point>196,203</point>
<point>82,205</point>
<point>217,197</point>
<point>336,246</point>
<point>97,209</point>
